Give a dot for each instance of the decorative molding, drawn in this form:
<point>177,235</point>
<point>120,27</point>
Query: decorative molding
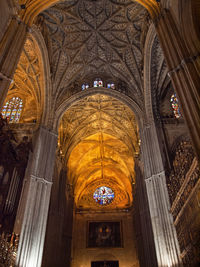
<point>194,190</point>
<point>94,39</point>
<point>184,62</point>
<point>67,103</point>
<point>41,180</point>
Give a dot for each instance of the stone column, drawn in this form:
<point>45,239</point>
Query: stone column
<point>145,240</point>
<point>164,233</point>
<point>57,249</point>
<point>184,71</point>
<point>68,226</point>
<point>34,204</point>
<point>11,46</point>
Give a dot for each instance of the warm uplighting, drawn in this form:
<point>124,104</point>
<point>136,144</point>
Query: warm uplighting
<point>99,156</point>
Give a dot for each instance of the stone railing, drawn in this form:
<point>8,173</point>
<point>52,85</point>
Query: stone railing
<point>8,249</point>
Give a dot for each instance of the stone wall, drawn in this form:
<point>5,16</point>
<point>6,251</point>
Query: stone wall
<point>82,256</point>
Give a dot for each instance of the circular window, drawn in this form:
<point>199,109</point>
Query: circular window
<point>103,195</point>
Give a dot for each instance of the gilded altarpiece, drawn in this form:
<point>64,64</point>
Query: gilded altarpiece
<point>184,193</point>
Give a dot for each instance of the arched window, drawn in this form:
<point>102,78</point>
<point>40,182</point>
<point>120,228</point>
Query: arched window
<point>111,85</point>
<point>175,106</point>
<point>98,82</point>
<point>84,86</point>
<point>12,109</point>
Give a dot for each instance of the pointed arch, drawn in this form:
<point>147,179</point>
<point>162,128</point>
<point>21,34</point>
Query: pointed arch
<point>34,7</point>
<point>46,81</point>
<point>98,90</point>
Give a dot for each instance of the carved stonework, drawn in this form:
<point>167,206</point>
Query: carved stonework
<point>182,161</point>
<point>103,38</point>
<point>95,135</point>
<point>184,188</point>
<point>96,114</point>
<point>27,82</point>
<point>159,78</point>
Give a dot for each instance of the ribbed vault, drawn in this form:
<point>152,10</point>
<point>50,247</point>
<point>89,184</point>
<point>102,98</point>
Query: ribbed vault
<point>34,7</point>
<point>98,138</point>
<point>28,81</point>
<point>95,38</point>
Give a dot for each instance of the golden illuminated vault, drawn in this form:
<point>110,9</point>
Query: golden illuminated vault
<point>28,82</point>
<point>95,137</point>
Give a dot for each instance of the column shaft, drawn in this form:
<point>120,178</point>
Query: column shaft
<point>33,209</point>
<point>164,234</point>
<point>10,50</point>
<point>145,239</point>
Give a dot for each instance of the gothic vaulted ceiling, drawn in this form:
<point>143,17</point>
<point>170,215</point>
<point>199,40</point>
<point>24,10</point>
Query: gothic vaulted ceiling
<point>98,137</point>
<point>34,7</point>
<point>89,38</point>
<point>28,81</point>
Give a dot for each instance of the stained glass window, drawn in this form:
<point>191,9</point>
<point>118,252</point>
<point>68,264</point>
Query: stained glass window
<point>98,83</point>
<point>103,195</point>
<point>12,109</point>
<point>111,85</point>
<point>175,106</point>
<point>85,86</point>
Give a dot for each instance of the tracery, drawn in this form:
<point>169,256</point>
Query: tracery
<point>12,109</point>
<point>103,195</point>
<point>97,38</point>
<point>98,83</point>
